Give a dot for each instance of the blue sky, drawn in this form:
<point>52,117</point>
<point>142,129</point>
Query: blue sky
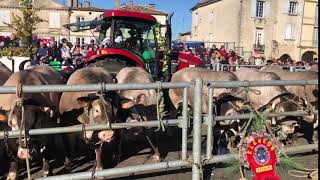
<point>181,20</point>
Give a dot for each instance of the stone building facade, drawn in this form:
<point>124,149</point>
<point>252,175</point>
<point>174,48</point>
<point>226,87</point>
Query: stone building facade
<point>56,15</point>
<point>273,29</point>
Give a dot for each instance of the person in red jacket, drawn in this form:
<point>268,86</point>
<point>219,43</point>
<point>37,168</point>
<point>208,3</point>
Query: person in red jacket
<point>223,51</point>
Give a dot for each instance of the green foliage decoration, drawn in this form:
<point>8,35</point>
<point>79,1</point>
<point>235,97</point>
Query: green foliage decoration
<point>163,48</point>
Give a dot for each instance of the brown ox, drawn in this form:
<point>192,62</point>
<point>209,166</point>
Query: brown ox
<point>269,98</point>
<point>36,108</point>
<point>138,105</point>
<point>226,100</point>
<point>88,108</point>
<point>305,93</point>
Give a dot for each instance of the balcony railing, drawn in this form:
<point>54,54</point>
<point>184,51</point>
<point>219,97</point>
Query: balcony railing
<point>258,47</point>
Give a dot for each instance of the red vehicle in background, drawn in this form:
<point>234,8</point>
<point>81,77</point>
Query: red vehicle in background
<point>129,39</point>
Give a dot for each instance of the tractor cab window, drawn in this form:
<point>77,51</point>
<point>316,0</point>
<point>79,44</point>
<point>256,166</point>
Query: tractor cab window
<point>104,36</point>
<point>139,38</point>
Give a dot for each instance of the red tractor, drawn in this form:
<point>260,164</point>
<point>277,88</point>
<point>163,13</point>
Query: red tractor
<point>129,39</point>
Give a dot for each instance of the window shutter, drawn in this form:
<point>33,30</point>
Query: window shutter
<point>87,40</point>
<point>4,17</point>
<point>73,39</point>
<point>316,17</point>
<point>286,7</point>
<point>292,31</point>
<point>54,20</point>
<point>300,9</point>
<point>288,31</point>
<point>196,20</point>
<point>267,9</point>
<point>262,36</point>
<point>253,8</point>
<point>211,17</point>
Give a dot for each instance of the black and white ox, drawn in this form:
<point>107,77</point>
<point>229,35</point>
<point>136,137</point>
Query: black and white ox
<point>40,111</point>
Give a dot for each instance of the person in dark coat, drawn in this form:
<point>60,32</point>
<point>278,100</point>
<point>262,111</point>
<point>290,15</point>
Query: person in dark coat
<point>54,53</point>
<point>201,51</point>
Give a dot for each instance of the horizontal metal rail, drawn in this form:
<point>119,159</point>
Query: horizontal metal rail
<point>91,87</point>
<point>79,128</point>
<point>248,115</point>
<point>164,166</point>
<point>234,84</point>
<point>136,86</point>
<point>129,170</point>
<point>168,122</point>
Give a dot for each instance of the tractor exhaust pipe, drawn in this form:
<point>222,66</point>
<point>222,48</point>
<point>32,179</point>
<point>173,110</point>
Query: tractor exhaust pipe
<point>168,37</point>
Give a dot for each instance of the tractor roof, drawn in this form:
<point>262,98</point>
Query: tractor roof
<point>129,14</point>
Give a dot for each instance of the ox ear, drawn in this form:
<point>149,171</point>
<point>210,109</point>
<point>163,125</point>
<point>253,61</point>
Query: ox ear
<point>127,104</point>
<point>84,102</point>
<point>141,99</point>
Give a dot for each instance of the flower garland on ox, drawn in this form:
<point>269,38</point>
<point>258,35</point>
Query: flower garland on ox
<point>261,153</point>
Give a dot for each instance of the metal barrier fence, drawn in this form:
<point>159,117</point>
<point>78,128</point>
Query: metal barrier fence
<point>234,67</point>
<point>182,122</point>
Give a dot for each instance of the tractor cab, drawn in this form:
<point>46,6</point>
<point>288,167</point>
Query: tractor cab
<point>125,37</point>
<point>128,38</point>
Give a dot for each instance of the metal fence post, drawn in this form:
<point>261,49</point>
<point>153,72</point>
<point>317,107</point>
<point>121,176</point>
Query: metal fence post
<point>184,124</point>
<point>197,121</point>
<point>209,123</point>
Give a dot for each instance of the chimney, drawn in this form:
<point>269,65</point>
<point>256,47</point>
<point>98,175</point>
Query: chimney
<point>73,3</point>
<point>117,4</point>
<point>86,3</point>
<point>152,6</point>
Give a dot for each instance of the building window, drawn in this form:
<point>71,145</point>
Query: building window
<point>80,19</point>
<point>315,37</point>
<point>4,17</point>
<point>196,19</point>
<point>316,17</point>
<point>293,8</point>
<point>259,37</point>
<point>80,41</point>
<point>211,17</point>
<point>289,35</point>
<point>54,20</point>
<point>259,8</point>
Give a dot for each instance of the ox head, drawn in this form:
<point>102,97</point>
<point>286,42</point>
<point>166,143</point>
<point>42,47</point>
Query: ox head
<point>34,116</point>
<point>284,103</point>
<point>137,109</point>
<point>229,129</point>
<point>98,109</point>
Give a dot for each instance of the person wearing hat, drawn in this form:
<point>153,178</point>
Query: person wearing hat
<point>132,41</point>
<point>92,45</point>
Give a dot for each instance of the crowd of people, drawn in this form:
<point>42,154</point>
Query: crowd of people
<point>64,53</point>
<point>212,56</point>
<point>71,55</point>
